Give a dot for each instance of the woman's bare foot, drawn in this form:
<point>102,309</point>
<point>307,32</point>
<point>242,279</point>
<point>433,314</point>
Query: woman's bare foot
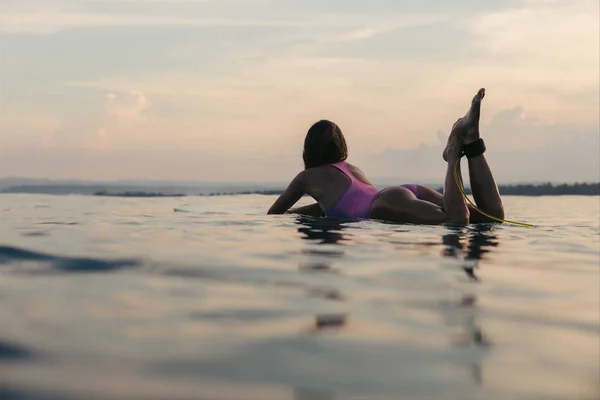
<point>454,140</point>
<point>467,128</point>
<point>470,122</point>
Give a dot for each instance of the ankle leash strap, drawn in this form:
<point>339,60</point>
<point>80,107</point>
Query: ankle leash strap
<point>474,149</point>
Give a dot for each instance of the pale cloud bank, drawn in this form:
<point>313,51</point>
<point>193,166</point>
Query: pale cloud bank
<point>225,90</point>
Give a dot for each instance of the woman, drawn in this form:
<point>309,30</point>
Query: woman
<point>343,191</point>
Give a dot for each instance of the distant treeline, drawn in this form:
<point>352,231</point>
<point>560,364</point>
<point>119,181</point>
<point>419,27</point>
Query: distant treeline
<point>137,194</point>
<point>264,192</point>
<point>546,189</point>
<point>92,190</point>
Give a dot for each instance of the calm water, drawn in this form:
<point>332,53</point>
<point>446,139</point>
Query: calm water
<point>109,298</point>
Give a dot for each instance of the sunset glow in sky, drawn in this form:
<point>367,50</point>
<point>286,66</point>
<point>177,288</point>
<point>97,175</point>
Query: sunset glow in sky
<point>225,90</point>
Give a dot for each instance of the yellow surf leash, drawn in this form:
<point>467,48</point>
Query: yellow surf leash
<point>475,207</point>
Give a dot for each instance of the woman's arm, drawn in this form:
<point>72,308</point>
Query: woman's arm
<point>293,193</point>
<point>311,210</point>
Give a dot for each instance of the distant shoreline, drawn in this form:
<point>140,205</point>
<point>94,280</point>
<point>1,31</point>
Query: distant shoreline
<point>547,189</point>
<point>138,194</point>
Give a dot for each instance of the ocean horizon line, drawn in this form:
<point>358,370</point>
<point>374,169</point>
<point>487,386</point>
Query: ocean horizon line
<point>390,181</point>
<point>545,189</point>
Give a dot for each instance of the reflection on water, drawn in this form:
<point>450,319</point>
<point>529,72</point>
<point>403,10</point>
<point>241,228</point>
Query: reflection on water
<point>469,245</point>
<point>480,240</point>
<point>318,267</point>
<point>325,321</point>
<point>322,230</point>
<point>326,294</point>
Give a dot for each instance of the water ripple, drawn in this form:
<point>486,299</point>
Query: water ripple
<point>14,352</point>
<point>10,254</point>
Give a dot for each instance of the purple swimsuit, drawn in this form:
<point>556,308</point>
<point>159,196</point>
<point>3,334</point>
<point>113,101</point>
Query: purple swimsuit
<point>356,202</point>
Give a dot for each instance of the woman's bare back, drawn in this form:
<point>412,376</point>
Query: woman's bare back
<point>327,184</point>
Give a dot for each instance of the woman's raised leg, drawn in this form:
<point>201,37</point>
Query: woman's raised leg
<point>483,185</point>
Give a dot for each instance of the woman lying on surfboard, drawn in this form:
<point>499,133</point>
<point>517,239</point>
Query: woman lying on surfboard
<point>343,191</point>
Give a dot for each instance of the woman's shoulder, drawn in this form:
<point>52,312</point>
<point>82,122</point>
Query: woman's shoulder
<point>308,175</point>
<point>358,173</point>
<point>354,168</point>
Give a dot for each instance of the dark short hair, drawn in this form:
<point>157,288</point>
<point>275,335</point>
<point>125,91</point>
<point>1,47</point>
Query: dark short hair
<point>324,144</point>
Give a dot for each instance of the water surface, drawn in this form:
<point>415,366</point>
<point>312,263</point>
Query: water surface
<point>123,298</point>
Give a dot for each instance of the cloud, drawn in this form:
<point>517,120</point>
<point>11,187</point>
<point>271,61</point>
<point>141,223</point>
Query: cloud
<point>56,16</point>
<point>44,23</point>
<point>127,105</point>
<point>569,153</point>
<point>520,148</point>
<point>134,79</point>
<point>97,128</point>
<point>150,162</point>
<point>99,141</point>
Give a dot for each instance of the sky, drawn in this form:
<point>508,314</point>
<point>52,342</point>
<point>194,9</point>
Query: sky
<point>225,90</point>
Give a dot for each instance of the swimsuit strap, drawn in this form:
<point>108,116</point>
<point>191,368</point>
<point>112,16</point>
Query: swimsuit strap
<point>356,201</point>
<point>343,166</point>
